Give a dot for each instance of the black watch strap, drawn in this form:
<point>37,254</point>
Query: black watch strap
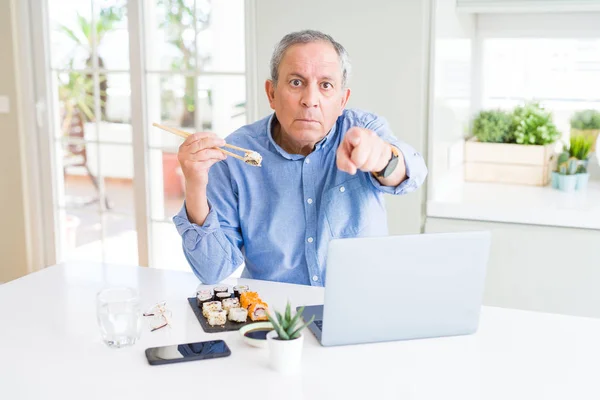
<point>391,165</point>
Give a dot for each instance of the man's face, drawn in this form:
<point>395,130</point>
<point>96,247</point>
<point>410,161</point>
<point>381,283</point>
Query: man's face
<point>308,97</point>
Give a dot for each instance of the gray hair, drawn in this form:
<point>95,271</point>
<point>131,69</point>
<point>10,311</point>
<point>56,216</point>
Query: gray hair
<point>308,36</point>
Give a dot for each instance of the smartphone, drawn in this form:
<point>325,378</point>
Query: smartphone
<point>187,352</point>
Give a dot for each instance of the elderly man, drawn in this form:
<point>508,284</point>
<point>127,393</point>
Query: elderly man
<point>324,172</point>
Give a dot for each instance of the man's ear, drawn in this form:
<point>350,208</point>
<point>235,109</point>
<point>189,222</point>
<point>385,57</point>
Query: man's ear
<point>345,97</point>
<point>270,89</point>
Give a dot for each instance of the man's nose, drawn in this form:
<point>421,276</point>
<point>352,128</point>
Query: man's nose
<point>310,96</point>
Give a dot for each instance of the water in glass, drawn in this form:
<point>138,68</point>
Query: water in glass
<point>119,319</point>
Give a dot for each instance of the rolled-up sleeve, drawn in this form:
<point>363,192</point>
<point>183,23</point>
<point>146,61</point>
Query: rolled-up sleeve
<point>192,233</point>
<point>416,170</point>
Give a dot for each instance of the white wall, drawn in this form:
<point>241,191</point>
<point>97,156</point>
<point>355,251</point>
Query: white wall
<point>537,268</point>
<point>389,47</point>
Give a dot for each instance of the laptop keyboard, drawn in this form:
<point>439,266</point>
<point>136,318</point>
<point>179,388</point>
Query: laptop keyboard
<point>319,324</point>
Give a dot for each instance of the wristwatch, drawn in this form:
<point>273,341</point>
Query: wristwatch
<point>391,165</point>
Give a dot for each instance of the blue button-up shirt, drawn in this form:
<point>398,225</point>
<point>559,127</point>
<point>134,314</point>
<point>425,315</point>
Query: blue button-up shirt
<point>279,218</point>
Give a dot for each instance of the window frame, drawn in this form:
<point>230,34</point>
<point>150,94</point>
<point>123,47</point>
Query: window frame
<point>36,82</point>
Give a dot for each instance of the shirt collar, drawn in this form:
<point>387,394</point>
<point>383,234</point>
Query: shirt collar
<point>320,144</point>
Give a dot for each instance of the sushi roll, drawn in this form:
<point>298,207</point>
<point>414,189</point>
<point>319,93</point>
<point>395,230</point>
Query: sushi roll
<point>230,303</point>
<point>220,289</point>
<point>211,306</point>
<point>220,296</point>
<point>238,314</point>
<point>217,317</point>
<point>204,292</point>
<point>238,290</point>
<point>248,298</point>
<point>204,297</point>
<point>258,311</point>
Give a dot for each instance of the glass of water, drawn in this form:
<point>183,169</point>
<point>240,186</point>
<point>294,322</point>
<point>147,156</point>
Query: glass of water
<point>119,316</point>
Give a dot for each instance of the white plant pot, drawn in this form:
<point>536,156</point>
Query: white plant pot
<point>285,355</point>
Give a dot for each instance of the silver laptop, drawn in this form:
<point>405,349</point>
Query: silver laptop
<point>401,287</point>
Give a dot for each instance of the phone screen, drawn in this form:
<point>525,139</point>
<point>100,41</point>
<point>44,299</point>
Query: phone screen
<point>187,352</point>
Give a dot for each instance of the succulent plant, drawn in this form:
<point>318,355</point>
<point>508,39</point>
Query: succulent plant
<point>569,167</point>
<point>287,325</point>
<point>563,157</point>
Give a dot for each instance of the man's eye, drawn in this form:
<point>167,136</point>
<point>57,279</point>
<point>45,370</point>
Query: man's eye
<point>327,85</point>
<point>296,82</point>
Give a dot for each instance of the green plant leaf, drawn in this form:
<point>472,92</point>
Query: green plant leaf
<point>294,321</point>
<point>296,333</point>
<point>573,164</point>
<point>283,335</point>
<point>581,146</point>
<point>70,34</point>
<point>273,321</point>
<point>562,169</point>
<point>280,331</point>
<point>532,125</point>
<point>86,28</point>
<point>288,312</point>
<point>586,120</point>
<point>86,110</point>
<point>282,321</point>
<point>492,126</point>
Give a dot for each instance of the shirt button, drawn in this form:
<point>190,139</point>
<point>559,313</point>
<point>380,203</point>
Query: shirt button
<point>309,240</point>
<point>315,278</point>
<point>309,201</point>
<point>342,189</point>
<point>307,161</point>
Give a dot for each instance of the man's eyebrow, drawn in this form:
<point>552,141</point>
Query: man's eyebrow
<point>297,75</point>
<point>325,77</point>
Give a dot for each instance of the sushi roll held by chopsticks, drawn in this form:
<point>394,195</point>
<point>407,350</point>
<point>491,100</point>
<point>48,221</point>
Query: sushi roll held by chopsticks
<point>250,157</point>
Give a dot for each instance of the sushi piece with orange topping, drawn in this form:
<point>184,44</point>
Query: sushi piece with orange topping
<point>248,298</point>
<point>258,311</point>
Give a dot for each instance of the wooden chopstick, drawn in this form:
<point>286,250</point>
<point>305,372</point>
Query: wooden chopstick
<point>174,131</point>
<point>185,134</point>
<point>237,148</point>
<point>232,154</point>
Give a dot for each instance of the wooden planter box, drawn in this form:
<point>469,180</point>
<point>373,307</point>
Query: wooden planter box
<point>508,163</point>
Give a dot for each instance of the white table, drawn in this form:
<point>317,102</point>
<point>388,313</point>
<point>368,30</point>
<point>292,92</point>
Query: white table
<point>50,348</point>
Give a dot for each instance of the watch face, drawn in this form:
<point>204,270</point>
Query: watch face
<point>391,167</point>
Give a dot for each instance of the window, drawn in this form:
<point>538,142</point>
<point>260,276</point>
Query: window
<point>193,74</point>
<point>501,60</point>
<point>563,74</point>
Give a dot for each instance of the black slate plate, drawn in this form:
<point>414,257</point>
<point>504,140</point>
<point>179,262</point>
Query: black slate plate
<point>229,325</point>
